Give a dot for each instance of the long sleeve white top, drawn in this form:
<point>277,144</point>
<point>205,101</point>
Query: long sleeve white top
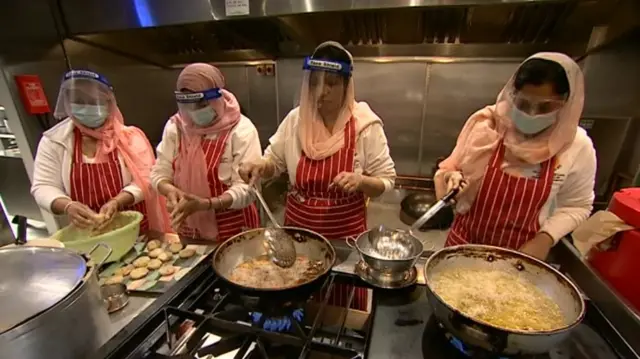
<point>371,156</point>
<point>52,167</point>
<point>243,145</point>
<point>572,191</point>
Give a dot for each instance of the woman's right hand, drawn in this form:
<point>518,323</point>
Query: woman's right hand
<point>81,216</point>
<point>251,172</point>
<point>174,196</point>
<point>455,180</point>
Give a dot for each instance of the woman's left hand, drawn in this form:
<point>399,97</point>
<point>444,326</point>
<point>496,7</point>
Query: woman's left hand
<point>188,205</point>
<point>539,246</point>
<point>348,181</point>
<point>107,211</point>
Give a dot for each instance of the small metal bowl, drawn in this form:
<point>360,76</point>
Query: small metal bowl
<point>384,265</point>
<point>115,296</point>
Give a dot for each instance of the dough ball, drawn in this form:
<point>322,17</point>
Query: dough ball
<point>153,244</point>
<point>139,273</point>
<point>167,270</point>
<point>99,220</point>
<point>124,271</point>
<point>186,253</point>
<point>154,264</point>
<point>116,278</point>
<point>175,247</point>
<point>156,252</point>
<point>164,256</point>
<point>141,262</point>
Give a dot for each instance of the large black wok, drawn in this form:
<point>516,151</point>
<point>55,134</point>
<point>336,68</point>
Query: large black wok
<point>250,244</point>
<point>494,339</point>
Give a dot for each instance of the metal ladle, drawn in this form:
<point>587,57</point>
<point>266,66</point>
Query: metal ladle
<point>393,243</point>
<point>278,242</point>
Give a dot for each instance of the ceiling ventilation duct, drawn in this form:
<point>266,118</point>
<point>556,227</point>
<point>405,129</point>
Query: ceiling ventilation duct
<point>169,31</point>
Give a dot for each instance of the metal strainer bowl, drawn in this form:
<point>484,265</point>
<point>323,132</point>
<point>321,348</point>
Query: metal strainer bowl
<point>403,251</point>
<point>385,243</point>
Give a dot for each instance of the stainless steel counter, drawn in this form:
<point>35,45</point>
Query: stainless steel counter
<point>120,319</point>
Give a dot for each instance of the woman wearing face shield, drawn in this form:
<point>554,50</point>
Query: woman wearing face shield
<point>90,165</point>
<point>334,150</point>
<point>202,147</point>
<point>525,169</point>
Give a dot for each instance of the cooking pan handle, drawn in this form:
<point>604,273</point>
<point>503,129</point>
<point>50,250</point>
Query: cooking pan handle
<point>103,245</point>
<point>351,242</point>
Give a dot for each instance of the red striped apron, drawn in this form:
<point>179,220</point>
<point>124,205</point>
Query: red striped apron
<point>94,184</point>
<point>507,208</point>
<point>329,211</point>
<point>230,221</point>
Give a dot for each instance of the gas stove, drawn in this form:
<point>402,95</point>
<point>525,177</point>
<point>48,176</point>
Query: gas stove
<point>206,319</point>
<point>584,343</point>
<point>220,323</point>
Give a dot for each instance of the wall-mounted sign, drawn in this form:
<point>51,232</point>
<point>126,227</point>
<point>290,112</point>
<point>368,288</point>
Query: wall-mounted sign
<point>32,94</point>
<point>236,7</point>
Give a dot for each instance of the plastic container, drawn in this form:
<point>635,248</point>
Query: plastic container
<point>619,265</point>
<point>121,240</point>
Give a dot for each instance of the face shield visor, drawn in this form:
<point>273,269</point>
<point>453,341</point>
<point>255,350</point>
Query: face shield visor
<point>535,105</point>
<point>85,96</point>
<point>530,114</point>
<point>327,89</point>
<point>197,107</point>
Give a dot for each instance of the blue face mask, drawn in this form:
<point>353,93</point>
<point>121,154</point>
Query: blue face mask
<point>203,117</point>
<point>92,116</point>
<point>531,125</point>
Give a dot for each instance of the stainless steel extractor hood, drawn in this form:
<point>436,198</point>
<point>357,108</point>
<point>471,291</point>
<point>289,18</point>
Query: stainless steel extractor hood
<point>169,31</point>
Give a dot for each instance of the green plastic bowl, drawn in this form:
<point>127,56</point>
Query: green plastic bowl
<point>120,240</point>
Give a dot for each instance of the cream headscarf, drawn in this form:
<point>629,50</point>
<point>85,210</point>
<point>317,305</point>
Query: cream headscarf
<point>484,130</point>
<point>316,140</point>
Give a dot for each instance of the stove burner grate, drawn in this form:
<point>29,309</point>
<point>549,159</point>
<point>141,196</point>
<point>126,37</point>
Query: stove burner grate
<point>224,324</point>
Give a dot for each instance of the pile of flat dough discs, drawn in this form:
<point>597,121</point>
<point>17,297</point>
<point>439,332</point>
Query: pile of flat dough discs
<point>154,258</point>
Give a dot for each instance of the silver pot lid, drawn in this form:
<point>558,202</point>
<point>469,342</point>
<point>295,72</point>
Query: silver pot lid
<point>34,279</point>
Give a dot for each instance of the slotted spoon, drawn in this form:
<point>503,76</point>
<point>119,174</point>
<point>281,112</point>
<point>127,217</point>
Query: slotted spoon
<point>278,242</point>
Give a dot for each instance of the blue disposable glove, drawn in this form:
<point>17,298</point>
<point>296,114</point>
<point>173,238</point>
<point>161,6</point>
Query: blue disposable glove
<point>280,324</point>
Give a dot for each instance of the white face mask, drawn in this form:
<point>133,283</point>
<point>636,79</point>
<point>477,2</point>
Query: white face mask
<point>531,125</point>
<point>92,116</point>
<point>203,117</point>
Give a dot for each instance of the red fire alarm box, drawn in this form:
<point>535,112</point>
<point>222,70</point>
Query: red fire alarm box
<point>32,94</point>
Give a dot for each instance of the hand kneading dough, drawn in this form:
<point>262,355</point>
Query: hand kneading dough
<point>164,256</point>
<point>124,271</point>
<point>139,273</point>
<point>186,253</point>
<point>156,252</point>
<point>116,278</point>
<point>167,270</point>
<point>175,247</point>
<point>154,264</point>
<point>141,262</point>
<point>153,244</point>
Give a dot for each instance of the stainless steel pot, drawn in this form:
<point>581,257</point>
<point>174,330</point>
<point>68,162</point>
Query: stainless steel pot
<point>492,338</point>
<point>57,309</point>
<point>385,266</point>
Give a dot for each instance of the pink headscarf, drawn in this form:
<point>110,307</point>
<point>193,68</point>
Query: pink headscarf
<point>191,166</point>
<point>136,151</point>
<point>315,139</point>
<point>484,130</point>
